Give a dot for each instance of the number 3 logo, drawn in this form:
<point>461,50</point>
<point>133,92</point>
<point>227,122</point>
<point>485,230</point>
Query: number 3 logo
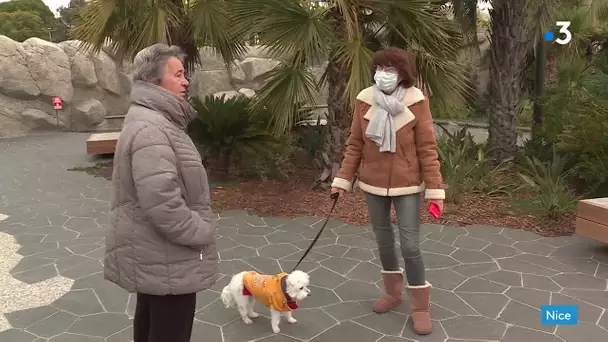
<point>564,29</point>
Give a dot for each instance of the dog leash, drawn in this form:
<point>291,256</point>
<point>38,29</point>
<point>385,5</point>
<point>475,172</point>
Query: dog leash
<point>334,196</point>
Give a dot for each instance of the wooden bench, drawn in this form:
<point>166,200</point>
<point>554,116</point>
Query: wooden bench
<point>592,218</point>
<point>102,143</point>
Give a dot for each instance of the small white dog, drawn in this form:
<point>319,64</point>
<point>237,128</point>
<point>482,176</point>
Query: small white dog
<point>279,293</point>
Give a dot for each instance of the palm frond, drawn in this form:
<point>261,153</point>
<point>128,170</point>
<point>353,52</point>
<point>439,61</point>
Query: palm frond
<point>287,29</point>
<point>213,26</point>
<point>287,86</point>
<point>354,56</point>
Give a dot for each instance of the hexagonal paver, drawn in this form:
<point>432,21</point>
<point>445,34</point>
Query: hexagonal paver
<point>488,282</point>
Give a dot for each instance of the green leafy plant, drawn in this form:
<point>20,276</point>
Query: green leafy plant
<point>226,130</point>
<point>548,183</point>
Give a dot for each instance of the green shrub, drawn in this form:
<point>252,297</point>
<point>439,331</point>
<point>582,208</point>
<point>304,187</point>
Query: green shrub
<point>465,168</point>
<point>548,183</point>
<point>226,130</point>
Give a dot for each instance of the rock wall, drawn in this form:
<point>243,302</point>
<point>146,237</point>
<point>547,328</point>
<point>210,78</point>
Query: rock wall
<point>91,86</point>
<point>246,77</point>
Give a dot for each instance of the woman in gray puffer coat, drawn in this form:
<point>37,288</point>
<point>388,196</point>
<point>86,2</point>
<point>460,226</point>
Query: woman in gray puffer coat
<point>161,244</point>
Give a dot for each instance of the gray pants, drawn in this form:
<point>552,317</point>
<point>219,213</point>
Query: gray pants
<point>408,217</point>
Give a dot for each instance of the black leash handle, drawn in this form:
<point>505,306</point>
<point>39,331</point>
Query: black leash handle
<point>334,196</point>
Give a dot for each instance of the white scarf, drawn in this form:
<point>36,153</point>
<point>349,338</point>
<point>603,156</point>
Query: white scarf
<point>381,127</point>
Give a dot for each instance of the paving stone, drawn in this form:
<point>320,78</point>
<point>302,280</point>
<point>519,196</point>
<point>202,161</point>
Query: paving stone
<point>546,262</point>
<point>306,266</point>
<point>16,335</point>
<point>473,270</point>
<point>216,313</point>
<point>451,301</point>
<point>532,297</point>
<point>362,254</point>
<point>356,241</point>
<point>526,316</point>
<point>275,222</point>
<point>467,256</point>
<point>277,251</point>
<point>319,297</point>
<point>53,325</point>
<point>510,264</point>
<point>29,263</point>
<point>79,302</point>
<point>366,272</point>
<point>432,260</point>
<point>340,265</point>
<point>486,304</point>
<point>444,278</point>
<point>202,331</point>
<point>263,264</point>
<point>595,297</point>
<point>334,250</point>
<point>283,237</point>
<point>37,275</point>
<point>303,244</point>
<point>348,230</point>
<point>577,250</point>
<point>357,290</point>
<point>325,278</point>
<point>24,318</point>
<point>469,242</point>
<point>573,333</point>
<point>507,278</point>
<point>436,247</point>
<point>311,322</point>
<point>540,282</point>
<point>67,337</point>
<point>579,281</point>
<point>603,322</point>
<point>481,285</point>
<point>586,311</point>
<point>520,334</point>
<point>347,310</point>
<point>390,323</point>
<point>534,247</point>
<point>239,252</point>
<point>585,266</point>
<point>347,331</point>
<point>474,328</point>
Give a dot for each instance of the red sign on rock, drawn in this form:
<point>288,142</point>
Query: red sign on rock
<point>57,102</point>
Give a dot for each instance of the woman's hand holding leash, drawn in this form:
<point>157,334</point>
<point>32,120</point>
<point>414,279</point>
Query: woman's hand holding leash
<point>336,192</point>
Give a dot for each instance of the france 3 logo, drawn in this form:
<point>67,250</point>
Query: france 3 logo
<point>564,31</point>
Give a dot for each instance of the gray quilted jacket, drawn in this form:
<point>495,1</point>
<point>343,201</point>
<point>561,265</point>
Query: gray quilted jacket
<point>162,236</point>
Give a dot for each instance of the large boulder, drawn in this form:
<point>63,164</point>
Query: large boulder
<point>91,86</point>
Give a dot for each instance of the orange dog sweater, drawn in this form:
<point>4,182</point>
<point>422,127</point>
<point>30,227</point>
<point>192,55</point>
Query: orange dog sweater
<point>269,290</point>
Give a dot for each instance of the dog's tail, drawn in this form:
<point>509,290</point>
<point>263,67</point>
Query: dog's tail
<point>226,296</point>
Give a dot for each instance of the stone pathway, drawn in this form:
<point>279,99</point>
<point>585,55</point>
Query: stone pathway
<point>489,283</point>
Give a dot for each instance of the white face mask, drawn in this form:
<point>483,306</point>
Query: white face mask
<point>386,80</point>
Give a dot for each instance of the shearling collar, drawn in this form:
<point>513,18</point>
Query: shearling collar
<point>412,96</point>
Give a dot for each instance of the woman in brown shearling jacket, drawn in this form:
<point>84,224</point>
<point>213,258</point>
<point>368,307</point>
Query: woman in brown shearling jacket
<point>392,146</point>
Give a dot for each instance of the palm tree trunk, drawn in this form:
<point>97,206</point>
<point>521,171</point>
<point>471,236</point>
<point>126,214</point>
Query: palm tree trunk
<point>338,123</point>
<point>539,84</point>
<point>506,76</point>
<point>339,112</point>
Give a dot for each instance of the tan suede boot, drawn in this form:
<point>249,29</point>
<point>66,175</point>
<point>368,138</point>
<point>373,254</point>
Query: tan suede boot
<point>393,292</point>
<point>420,299</point>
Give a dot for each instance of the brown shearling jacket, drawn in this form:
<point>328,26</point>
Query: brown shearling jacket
<point>413,168</point>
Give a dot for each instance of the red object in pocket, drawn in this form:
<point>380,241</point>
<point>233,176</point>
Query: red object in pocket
<point>434,210</point>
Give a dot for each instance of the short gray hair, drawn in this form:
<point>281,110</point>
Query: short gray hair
<point>150,62</point>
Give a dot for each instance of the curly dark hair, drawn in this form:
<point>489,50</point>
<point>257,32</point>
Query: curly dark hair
<point>399,59</point>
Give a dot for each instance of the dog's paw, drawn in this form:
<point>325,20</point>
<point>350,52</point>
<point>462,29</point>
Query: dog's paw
<point>247,320</point>
<point>292,320</point>
<point>254,315</point>
<point>276,330</point>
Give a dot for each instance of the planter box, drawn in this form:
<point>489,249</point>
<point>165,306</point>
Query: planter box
<point>102,143</point>
<point>592,218</point>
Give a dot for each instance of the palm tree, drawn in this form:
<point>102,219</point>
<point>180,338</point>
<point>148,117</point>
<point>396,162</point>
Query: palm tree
<point>346,33</point>
<point>300,34</point>
<point>127,26</point>
<point>517,28</point>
